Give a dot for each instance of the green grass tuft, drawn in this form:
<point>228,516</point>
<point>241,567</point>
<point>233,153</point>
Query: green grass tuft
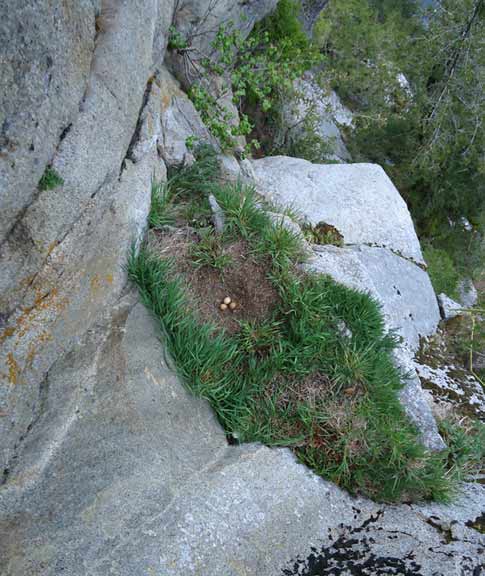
<point>209,251</point>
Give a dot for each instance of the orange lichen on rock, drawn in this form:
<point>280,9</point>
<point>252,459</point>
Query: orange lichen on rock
<point>13,369</point>
<point>10,331</point>
<point>42,302</point>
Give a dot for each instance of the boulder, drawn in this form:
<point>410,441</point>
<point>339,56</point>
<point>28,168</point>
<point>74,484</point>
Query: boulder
<point>448,307</point>
<point>125,472</point>
<point>468,295</point>
<point>358,199</point>
<point>403,289</point>
<point>180,123</point>
<point>381,254</point>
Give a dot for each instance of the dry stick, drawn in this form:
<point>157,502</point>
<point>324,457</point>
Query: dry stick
<point>471,350</point>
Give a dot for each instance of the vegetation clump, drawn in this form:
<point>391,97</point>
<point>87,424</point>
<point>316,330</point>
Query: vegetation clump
<point>442,271</point>
<point>50,180</point>
<point>253,71</point>
<point>276,368</point>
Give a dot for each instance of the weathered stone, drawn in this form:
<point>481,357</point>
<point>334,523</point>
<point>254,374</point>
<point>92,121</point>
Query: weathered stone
<point>218,218</point>
<point>230,168</point>
<point>448,307</point>
<point>416,403</point>
<point>454,388</point>
<point>402,288</point>
<point>62,262</point>
<point>323,110</point>
<point>46,49</point>
<point>124,472</point>
<point>122,64</point>
<point>149,126</point>
<point>80,277</point>
<point>358,199</point>
<point>180,123</point>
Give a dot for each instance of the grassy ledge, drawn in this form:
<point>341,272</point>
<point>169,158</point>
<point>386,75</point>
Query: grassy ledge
<point>301,361</point>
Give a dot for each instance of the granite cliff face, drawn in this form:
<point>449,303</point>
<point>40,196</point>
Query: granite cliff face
<point>109,465</point>
<point>81,86</point>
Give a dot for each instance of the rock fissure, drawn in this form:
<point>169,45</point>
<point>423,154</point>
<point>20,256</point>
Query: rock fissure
<point>420,265</point>
<point>136,134</point>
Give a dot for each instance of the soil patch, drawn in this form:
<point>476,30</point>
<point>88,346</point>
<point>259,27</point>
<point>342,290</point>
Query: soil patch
<point>245,280</point>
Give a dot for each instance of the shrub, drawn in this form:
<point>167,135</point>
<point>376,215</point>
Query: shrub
<point>442,272</point>
<point>256,69</point>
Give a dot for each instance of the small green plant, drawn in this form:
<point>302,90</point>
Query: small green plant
<point>209,251</point>
<point>259,337</point>
<point>161,210</point>
<point>466,447</point>
<point>176,40</point>
<point>442,272</point>
<point>50,180</point>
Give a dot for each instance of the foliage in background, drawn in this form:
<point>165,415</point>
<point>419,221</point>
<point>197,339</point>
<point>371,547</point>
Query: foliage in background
<point>293,379</point>
<point>416,83</point>
<point>254,69</point>
<point>442,271</point>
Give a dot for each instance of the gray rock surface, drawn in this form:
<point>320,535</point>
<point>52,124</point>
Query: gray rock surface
<point>180,121</point>
<point>416,403</point>
<point>453,389</point>
<point>468,293</point>
<point>111,479</point>
<point>41,85</point>
<point>322,110</point>
<point>198,22</point>
<point>62,260</point>
<point>402,288</point>
<point>358,199</point>
<point>81,276</point>
<point>110,465</point>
